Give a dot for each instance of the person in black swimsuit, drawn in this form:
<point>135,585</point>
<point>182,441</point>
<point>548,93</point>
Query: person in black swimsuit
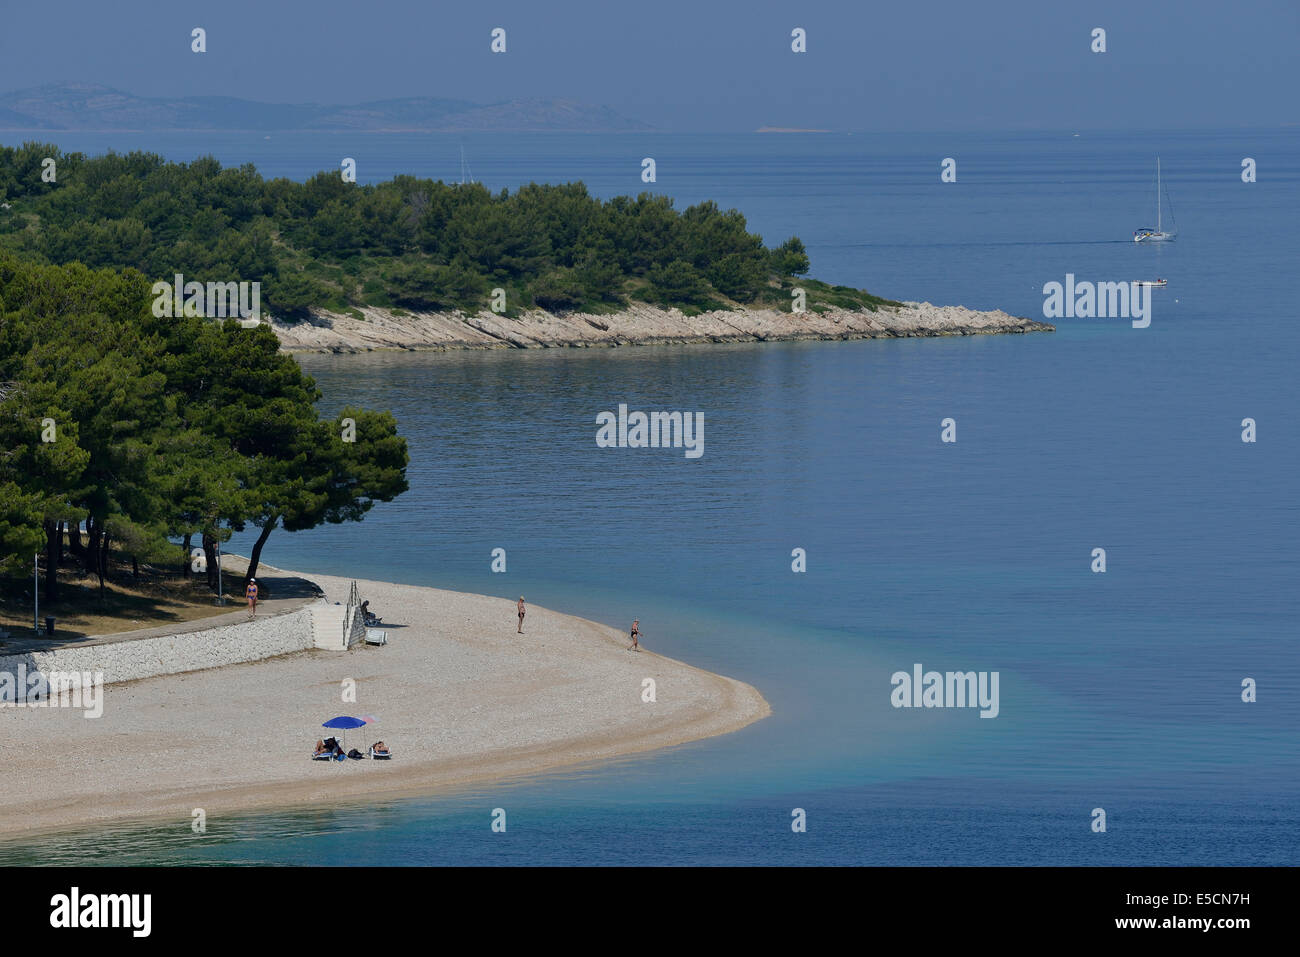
<point>636,634</point>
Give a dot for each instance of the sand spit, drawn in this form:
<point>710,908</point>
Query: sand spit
<point>637,325</point>
<point>459,696</point>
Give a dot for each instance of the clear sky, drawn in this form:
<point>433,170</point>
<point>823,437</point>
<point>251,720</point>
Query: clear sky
<point>700,65</point>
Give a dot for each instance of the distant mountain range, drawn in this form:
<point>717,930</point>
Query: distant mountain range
<point>92,108</point>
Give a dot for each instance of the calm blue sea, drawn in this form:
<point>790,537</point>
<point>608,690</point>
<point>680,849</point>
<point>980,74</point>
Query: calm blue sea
<point>1119,690</point>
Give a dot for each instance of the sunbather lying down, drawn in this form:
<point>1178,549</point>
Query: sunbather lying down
<point>329,746</point>
<point>379,747</point>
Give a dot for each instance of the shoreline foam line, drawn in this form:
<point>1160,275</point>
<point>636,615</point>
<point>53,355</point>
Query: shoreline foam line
<point>461,699</point>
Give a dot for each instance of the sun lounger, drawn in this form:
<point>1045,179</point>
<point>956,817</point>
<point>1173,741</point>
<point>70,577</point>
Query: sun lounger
<point>376,636</point>
<point>381,755</point>
<point>330,752</point>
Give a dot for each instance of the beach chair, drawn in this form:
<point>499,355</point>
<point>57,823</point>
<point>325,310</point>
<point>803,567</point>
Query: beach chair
<point>380,755</point>
<point>329,754</point>
<point>376,636</point>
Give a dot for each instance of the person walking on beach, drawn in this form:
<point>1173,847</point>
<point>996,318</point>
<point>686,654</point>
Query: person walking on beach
<point>636,634</point>
<point>251,592</point>
<point>521,614</point>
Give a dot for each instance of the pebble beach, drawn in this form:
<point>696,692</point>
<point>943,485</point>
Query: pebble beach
<point>459,697</point>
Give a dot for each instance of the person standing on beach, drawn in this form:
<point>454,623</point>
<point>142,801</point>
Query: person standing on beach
<point>251,592</point>
<point>521,614</point>
<point>636,634</point>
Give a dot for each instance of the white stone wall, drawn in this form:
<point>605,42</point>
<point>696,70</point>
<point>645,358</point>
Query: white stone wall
<point>173,654</point>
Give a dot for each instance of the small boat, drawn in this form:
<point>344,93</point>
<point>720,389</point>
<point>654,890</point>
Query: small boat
<point>1158,235</point>
<point>464,169</point>
<point>1151,282</point>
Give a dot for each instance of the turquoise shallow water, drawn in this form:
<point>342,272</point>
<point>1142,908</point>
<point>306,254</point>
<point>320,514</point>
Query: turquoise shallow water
<point>1119,690</point>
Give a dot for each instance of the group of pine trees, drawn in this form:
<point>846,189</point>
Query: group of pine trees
<point>410,243</point>
<point>152,433</point>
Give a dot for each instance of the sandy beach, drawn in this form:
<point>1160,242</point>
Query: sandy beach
<point>459,696</point>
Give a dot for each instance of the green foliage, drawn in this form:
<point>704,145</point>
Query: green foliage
<point>822,296</point>
<point>294,293</point>
<point>558,291</point>
<point>790,258</point>
<point>21,513</point>
<point>677,282</point>
<point>418,285</point>
<point>150,429</point>
<point>412,243</point>
<point>739,277</point>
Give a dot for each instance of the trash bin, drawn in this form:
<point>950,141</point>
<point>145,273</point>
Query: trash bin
<point>49,625</point>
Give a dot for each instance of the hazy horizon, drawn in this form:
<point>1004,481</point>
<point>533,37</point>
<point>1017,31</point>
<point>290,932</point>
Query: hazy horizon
<point>687,68</point>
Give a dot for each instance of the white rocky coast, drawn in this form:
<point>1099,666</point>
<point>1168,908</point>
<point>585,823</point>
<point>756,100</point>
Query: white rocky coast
<point>639,324</point>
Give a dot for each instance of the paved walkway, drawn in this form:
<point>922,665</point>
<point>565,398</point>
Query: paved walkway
<point>291,594</point>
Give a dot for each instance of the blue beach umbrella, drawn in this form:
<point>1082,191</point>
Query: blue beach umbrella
<point>344,723</point>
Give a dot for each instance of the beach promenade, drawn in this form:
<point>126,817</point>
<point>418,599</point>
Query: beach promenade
<point>460,698</point>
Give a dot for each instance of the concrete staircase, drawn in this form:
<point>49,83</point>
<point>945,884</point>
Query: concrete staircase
<point>330,625</point>
<point>327,625</point>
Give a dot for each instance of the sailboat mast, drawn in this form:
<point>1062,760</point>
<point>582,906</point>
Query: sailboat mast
<point>1158,223</point>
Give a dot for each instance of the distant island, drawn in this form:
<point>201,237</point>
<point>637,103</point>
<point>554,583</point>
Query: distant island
<point>95,108</point>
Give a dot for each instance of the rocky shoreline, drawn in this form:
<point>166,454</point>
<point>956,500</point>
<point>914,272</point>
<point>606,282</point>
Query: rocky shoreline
<point>639,324</point>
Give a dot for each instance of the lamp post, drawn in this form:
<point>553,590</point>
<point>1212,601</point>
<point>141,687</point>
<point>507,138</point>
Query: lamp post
<point>36,592</point>
<point>221,594</point>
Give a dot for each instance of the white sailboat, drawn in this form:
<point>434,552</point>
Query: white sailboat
<point>1158,235</point>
